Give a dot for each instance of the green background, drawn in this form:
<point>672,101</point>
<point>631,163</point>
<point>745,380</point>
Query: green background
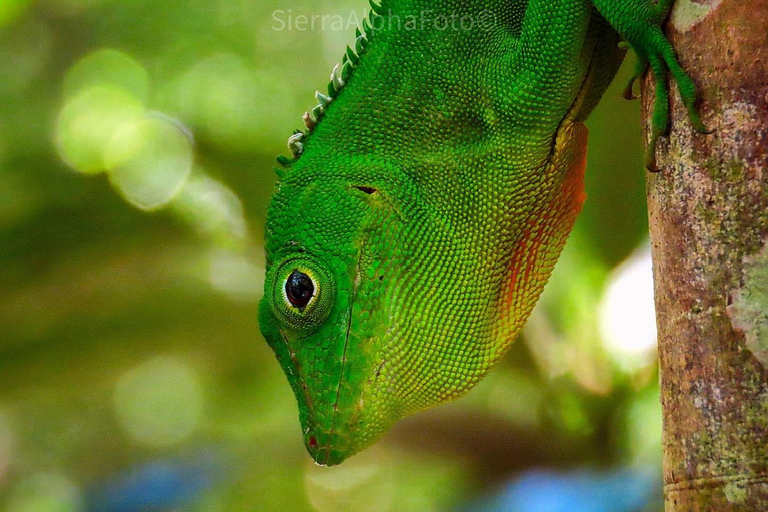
<point>137,145</point>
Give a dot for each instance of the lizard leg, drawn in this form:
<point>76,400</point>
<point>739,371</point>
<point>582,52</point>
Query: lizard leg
<point>639,22</point>
<point>540,79</point>
<point>661,10</point>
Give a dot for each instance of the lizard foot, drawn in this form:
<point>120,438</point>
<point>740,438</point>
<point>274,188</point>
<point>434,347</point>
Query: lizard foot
<point>662,63</point>
<point>639,23</point>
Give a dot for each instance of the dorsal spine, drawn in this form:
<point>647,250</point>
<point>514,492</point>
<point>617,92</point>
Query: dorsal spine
<point>340,76</point>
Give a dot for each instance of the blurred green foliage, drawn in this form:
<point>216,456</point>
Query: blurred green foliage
<point>137,140</point>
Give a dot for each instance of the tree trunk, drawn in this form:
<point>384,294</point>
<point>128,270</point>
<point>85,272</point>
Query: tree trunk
<point>708,212</point>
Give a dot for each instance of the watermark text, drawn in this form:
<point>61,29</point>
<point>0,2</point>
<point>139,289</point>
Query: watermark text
<point>428,19</point>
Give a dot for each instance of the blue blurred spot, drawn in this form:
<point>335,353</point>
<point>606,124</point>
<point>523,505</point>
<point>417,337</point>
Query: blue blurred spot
<point>158,485</point>
<point>621,490</point>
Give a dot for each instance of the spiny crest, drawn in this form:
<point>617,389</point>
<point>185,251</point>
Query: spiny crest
<point>339,77</point>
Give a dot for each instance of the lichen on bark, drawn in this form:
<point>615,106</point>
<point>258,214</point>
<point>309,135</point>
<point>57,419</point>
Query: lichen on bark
<point>749,308</point>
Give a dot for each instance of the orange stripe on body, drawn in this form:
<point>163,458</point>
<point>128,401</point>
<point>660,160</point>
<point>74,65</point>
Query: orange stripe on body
<point>541,242</point>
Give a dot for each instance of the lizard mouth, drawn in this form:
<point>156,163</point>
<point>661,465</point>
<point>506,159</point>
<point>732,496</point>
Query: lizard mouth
<point>323,447</point>
<point>326,455</point>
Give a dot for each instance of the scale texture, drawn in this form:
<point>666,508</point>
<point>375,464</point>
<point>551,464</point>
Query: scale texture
<point>428,200</point>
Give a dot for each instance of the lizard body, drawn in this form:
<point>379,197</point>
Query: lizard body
<point>423,212</point>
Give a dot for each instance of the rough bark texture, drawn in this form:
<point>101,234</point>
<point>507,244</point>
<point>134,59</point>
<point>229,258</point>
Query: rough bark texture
<point>708,209</point>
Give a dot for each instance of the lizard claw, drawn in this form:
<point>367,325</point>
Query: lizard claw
<point>661,64</point>
<point>629,89</point>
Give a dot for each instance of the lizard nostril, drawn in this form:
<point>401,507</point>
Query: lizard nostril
<point>312,441</point>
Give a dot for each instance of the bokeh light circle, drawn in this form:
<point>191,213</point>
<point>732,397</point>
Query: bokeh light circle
<point>149,161</point>
<point>45,492</point>
<point>364,482</point>
<point>89,121</point>
<point>107,67</point>
<point>160,402</point>
<point>628,313</point>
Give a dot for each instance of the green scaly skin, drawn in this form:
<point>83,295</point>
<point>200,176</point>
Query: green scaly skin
<point>431,197</point>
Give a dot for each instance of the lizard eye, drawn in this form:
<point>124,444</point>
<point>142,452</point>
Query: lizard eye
<point>301,292</point>
<point>299,289</point>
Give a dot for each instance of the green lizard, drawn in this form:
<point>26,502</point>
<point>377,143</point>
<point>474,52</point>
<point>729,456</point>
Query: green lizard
<point>426,204</point>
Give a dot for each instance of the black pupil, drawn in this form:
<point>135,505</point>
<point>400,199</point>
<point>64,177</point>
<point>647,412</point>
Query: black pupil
<point>299,289</point>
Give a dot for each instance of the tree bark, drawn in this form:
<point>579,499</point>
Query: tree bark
<point>708,213</point>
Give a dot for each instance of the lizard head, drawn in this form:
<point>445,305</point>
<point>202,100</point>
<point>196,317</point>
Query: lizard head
<point>324,307</point>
